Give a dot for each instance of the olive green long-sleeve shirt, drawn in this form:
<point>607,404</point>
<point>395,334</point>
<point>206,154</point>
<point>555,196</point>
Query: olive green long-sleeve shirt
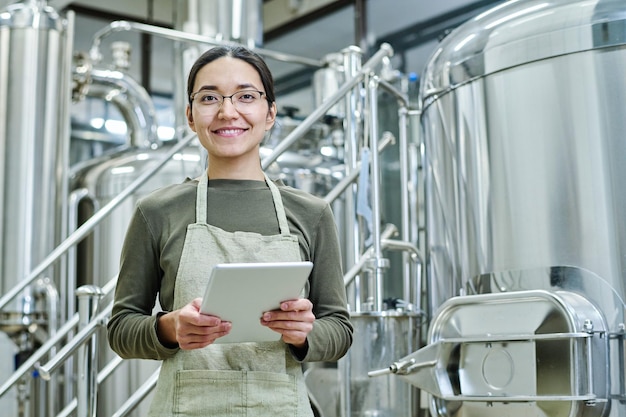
<point>154,243</point>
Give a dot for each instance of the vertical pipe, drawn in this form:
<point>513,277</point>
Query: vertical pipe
<point>47,290</point>
<point>352,66</point>
<point>223,23</point>
<point>65,103</point>
<point>379,262</point>
<point>236,15</point>
<point>75,199</point>
<point>254,23</point>
<point>360,26</point>
<point>405,231</point>
<point>88,297</point>
<point>34,151</point>
<point>620,361</point>
<point>416,212</point>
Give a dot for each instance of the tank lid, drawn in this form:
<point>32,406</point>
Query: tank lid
<point>521,31</point>
<point>30,14</point>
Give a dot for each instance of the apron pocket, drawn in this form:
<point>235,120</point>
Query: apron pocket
<point>271,394</point>
<point>234,393</point>
<point>209,393</point>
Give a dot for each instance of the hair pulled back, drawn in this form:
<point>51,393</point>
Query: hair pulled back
<point>238,52</point>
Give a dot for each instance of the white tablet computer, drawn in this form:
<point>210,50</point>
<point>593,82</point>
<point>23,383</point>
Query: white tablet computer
<point>242,292</point>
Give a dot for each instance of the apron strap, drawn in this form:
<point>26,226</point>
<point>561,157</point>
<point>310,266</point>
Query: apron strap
<point>201,198</point>
<point>278,206</point>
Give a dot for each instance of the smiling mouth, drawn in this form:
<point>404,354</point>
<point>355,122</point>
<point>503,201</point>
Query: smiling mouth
<point>229,132</point>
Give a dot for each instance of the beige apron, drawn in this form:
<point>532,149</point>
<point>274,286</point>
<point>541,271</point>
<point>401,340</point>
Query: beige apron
<point>239,379</point>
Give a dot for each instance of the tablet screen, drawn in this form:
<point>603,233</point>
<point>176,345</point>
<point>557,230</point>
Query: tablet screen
<point>242,292</point>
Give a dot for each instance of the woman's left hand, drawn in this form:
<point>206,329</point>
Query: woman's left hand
<point>293,321</point>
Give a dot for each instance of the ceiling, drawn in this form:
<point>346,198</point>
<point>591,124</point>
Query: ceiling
<point>306,28</point>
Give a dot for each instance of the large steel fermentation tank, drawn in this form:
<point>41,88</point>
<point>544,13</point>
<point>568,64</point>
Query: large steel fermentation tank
<point>523,123</point>
<point>35,46</point>
<point>94,184</point>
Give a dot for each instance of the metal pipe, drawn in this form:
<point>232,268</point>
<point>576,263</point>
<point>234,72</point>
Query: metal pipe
<point>405,227</point>
<point>109,368</point>
<point>28,364</point>
<point>353,104</point>
<point>75,198</point>
<point>378,263</point>
<point>138,395</point>
<point>45,371</point>
<point>176,35</point>
<point>88,297</point>
<point>403,245</point>
<point>68,349</point>
<point>352,65</point>
<point>133,101</point>
<point>409,248</point>
<point>302,128</point>
<point>52,303</point>
<point>390,88</point>
<point>390,230</point>
<point>69,409</point>
<point>65,128</point>
<point>416,156</point>
<point>374,165</point>
<point>92,222</point>
<point>588,328</point>
<point>341,186</point>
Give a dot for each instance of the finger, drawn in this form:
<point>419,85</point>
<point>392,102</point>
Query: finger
<point>301,304</point>
<point>296,316</point>
<point>196,341</point>
<point>196,303</point>
<point>290,325</point>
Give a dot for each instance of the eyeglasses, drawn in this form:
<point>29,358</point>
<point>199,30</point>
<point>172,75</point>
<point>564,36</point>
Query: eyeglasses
<point>245,101</point>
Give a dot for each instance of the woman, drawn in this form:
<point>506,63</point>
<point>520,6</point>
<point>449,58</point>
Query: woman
<point>233,213</point>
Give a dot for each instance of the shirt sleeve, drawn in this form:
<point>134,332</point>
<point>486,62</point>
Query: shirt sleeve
<point>132,327</point>
<point>331,336</point>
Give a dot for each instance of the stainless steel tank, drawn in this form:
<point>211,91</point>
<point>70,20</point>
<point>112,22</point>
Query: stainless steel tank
<point>523,124</point>
<point>35,46</point>
<point>94,184</point>
<point>97,182</point>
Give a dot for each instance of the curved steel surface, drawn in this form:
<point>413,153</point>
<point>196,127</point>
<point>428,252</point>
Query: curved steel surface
<point>30,14</point>
<point>523,127</point>
<point>525,166</point>
<point>132,100</point>
<point>517,32</point>
<point>33,146</point>
<point>526,171</point>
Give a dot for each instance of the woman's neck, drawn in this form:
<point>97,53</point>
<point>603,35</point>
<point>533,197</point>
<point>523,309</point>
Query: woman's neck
<point>233,172</point>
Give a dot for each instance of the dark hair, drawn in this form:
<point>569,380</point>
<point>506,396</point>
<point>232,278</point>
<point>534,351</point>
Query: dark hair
<point>238,52</point>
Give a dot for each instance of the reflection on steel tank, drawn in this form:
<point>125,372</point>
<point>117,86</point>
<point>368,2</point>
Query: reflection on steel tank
<point>34,139</point>
<point>96,182</point>
<point>523,123</point>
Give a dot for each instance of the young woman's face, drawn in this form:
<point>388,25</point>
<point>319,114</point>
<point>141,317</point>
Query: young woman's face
<point>231,131</point>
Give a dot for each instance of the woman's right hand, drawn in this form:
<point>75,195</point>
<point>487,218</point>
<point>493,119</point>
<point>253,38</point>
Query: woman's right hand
<point>189,328</point>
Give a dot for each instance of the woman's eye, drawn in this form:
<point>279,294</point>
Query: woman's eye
<point>209,98</point>
<point>247,97</point>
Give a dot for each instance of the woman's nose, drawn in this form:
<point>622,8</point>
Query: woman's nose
<point>227,108</point>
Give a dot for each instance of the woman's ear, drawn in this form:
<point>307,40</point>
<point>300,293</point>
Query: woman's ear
<point>190,121</point>
<point>271,117</point>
